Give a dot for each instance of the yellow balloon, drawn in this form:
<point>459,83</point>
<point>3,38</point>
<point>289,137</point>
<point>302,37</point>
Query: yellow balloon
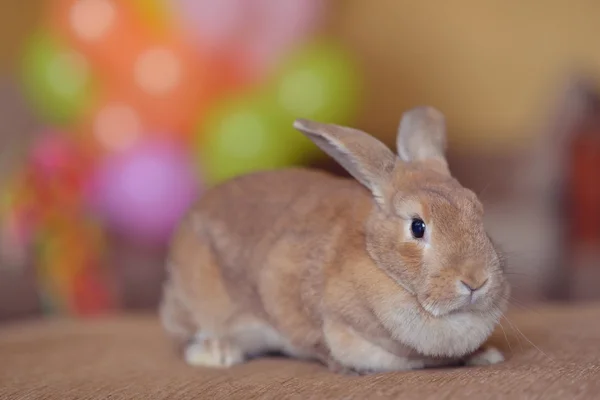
<point>155,13</point>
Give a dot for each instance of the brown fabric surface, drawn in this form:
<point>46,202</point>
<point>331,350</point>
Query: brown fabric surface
<point>128,357</point>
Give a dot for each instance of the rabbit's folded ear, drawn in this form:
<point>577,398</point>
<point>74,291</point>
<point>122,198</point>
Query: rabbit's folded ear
<point>367,159</point>
<point>422,136</point>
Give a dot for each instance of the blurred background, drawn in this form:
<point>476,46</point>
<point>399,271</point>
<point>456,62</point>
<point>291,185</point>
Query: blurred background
<point>116,114</point>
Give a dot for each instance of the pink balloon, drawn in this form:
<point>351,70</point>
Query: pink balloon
<point>216,23</point>
<point>145,190</point>
<point>279,26</point>
<point>262,30</point>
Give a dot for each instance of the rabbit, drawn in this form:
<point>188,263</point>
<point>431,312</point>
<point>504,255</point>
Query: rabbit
<point>392,270</point>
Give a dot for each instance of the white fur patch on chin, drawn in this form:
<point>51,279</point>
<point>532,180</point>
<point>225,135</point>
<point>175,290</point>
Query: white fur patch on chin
<point>453,335</point>
<point>489,356</point>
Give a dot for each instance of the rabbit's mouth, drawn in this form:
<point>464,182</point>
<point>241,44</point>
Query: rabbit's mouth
<point>439,308</point>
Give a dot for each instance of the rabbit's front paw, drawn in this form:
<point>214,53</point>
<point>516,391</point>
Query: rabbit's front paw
<point>212,352</point>
<point>485,356</point>
<point>340,369</point>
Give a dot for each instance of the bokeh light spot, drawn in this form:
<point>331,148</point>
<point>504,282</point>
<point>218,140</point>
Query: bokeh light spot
<point>158,71</point>
<point>117,127</point>
<point>92,19</point>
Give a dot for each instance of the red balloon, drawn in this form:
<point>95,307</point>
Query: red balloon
<point>58,170</point>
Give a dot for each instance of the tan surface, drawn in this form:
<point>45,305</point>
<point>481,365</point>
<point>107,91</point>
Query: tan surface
<point>128,357</point>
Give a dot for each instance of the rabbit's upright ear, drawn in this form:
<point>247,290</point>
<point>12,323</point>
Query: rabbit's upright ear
<point>367,159</point>
<point>422,136</point>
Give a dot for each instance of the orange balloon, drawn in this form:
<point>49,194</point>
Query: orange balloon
<point>159,75</point>
<point>120,118</point>
<point>171,84</point>
<point>107,31</point>
<point>127,111</point>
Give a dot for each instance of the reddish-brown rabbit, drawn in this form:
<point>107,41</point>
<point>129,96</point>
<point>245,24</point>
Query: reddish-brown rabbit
<point>391,271</point>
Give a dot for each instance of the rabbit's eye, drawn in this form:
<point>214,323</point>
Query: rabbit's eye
<point>417,228</point>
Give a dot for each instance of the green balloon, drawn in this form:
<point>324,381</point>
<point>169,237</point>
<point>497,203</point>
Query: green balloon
<point>57,80</point>
<point>244,135</point>
<point>318,81</point>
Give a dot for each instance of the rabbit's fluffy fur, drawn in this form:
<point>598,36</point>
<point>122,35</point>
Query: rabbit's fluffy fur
<point>320,267</point>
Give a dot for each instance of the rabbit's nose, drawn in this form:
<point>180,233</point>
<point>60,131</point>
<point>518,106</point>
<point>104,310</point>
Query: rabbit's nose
<point>472,286</point>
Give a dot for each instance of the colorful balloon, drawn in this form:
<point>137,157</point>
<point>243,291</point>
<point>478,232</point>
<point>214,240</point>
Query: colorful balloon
<point>157,67</point>
<point>318,81</point>
<point>156,14</point>
<point>157,73</point>
<point>108,32</point>
<point>260,31</point>
<point>58,171</point>
<point>51,153</point>
<point>144,190</point>
<point>56,79</point>
<point>171,86</point>
<point>278,27</point>
<point>214,24</point>
<point>246,134</point>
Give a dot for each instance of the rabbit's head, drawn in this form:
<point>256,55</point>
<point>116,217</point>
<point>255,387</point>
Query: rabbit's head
<point>425,230</point>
